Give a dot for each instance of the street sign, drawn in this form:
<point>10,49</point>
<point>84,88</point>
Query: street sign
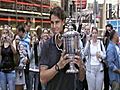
<point>115,24</point>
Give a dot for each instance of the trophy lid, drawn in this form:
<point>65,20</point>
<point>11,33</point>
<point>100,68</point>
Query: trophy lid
<point>70,30</point>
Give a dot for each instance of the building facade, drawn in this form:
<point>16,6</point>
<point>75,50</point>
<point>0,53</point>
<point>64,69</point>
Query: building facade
<point>14,12</point>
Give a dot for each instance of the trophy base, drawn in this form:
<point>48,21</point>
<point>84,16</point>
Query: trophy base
<point>72,70</point>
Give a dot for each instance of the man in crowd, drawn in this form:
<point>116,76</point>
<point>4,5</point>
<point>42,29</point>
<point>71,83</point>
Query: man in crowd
<point>23,51</point>
<point>54,62</point>
<point>106,40</point>
<point>27,26</point>
<point>113,58</point>
<point>109,28</point>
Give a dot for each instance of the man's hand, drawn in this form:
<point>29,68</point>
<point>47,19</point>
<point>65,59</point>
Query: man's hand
<point>117,71</point>
<point>78,61</point>
<point>63,61</point>
<point>26,61</point>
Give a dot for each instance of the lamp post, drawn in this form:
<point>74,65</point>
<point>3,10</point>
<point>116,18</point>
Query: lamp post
<point>42,11</point>
<point>95,3</point>
<point>16,11</point>
<point>104,14</point>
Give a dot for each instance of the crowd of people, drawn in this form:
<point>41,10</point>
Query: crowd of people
<point>20,54</point>
<point>36,59</point>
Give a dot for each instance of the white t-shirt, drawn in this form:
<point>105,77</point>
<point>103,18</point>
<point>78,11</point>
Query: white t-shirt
<point>93,50</point>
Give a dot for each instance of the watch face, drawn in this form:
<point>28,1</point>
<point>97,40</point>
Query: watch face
<point>57,68</point>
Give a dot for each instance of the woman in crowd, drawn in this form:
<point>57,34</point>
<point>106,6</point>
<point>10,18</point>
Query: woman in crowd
<point>19,84</point>
<point>46,34</point>
<point>95,52</point>
<point>7,65</point>
<point>33,69</point>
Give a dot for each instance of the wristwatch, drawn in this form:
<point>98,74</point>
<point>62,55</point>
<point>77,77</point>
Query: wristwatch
<point>57,67</point>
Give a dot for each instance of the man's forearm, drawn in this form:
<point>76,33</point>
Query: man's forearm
<point>47,74</point>
<point>81,73</point>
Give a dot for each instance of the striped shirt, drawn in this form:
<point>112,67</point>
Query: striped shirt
<point>24,49</point>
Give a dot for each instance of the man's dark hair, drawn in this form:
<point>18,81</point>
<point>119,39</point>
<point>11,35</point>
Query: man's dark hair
<point>109,25</point>
<point>107,33</point>
<point>20,28</point>
<point>39,32</point>
<point>112,34</point>
<point>94,28</point>
<point>59,12</point>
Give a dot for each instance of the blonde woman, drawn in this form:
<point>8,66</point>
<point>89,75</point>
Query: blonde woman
<point>7,65</point>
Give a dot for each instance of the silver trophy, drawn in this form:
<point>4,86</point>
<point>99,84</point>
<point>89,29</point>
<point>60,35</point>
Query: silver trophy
<point>71,45</point>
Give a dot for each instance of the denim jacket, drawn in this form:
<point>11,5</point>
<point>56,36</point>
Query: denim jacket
<point>113,62</point>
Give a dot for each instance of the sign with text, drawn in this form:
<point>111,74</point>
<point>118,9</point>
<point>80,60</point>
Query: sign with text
<point>115,24</point>
<point>23,6</point>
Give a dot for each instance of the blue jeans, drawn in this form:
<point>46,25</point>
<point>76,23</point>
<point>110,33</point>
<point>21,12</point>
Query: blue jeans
<point>34,79</point>
<point>27,81</point>
<point>7,78</point>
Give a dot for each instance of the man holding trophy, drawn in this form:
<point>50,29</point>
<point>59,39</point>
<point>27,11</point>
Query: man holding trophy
<point>61,66</point>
